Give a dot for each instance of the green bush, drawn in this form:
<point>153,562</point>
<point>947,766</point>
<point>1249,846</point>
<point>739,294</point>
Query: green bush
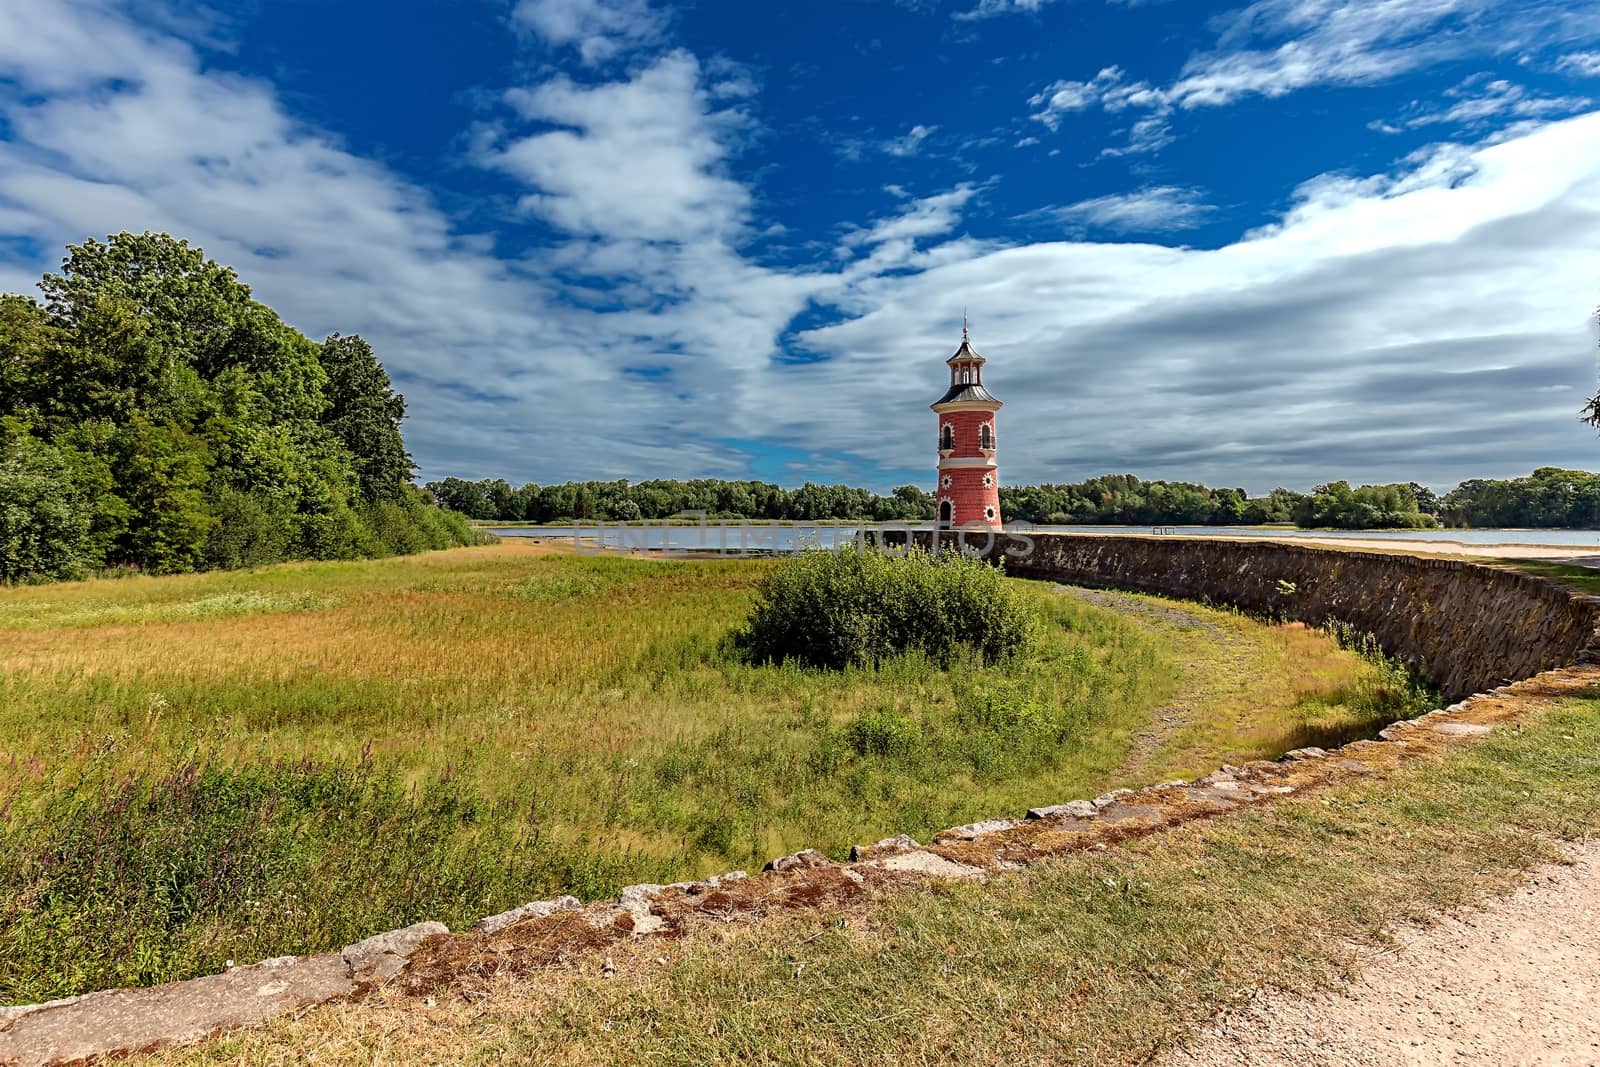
<point>247,532</point>
<point>857,606</point>
<point>883,733</point>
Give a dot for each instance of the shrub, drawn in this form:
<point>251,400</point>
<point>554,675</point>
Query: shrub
<point>247,532</point>
<point>883,733</point>
<point>857,606</point>
<point>1391,690</point>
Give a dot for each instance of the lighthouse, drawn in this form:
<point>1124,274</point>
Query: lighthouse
<point>969,483</point>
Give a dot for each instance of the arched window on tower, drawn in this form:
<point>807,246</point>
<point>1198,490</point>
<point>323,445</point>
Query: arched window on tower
<point>986,436</point>
<point>947,437</point>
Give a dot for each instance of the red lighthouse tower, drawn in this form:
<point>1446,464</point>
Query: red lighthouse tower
<point>969,483</point>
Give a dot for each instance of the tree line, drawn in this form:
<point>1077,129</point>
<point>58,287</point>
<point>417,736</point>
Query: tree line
<point>1120,499</point>
<point>153,415</point>
<point>1547,498</point>
<point>495,500</point>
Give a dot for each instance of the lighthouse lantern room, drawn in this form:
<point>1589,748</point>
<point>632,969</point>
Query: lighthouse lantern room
<point>969,484</point>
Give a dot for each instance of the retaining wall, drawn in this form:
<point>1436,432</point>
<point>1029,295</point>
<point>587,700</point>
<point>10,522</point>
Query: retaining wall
<point>1467,627</point>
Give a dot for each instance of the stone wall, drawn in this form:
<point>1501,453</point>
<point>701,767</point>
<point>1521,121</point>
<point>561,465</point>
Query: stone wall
<point>1467,627</point>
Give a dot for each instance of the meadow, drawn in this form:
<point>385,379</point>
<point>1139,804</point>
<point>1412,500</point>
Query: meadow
<point>220,767</point>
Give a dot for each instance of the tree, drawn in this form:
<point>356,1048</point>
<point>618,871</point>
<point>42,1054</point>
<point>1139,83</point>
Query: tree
<point>1427,500</point>
<point>44,527</point>
<point>364,412</point>
<point>192,426</point>
<point>161,472</point>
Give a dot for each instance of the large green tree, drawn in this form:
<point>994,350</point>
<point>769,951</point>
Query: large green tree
<point>190,426</point>
<point>364,412</point>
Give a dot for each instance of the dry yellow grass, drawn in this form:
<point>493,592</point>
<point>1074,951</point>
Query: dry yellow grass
<point>552,723</point>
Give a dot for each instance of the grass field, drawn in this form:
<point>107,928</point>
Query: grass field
<point>221,767</point>
<point>1094,958</point>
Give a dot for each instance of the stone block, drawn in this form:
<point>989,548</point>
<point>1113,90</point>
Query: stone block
<point>1073,809</point>
<point>537,909</point>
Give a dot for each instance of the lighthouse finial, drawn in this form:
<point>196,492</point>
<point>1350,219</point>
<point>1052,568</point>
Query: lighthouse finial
<point>963,322</point>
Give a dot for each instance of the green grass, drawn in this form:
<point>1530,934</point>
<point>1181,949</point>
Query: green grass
<point>1583,579</point>
<point>228,766</point>
<point>1099,957</point>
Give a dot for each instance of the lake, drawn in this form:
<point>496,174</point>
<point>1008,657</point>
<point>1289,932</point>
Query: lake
<point>736,537</point>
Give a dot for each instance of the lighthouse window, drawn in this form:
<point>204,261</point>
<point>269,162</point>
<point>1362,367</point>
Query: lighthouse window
<point>988,513</point>
<point>986,436</point>
<point>945,481</point>
<point>947,436</point>
<point>988,481</point>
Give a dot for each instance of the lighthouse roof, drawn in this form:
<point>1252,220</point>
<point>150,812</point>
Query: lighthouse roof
<point>966,353</point>
<point>964,393</point>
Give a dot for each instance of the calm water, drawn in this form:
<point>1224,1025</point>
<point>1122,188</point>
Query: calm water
<point>731,537</point>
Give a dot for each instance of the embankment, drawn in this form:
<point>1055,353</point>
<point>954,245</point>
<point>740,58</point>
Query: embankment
<point>1466,627</point>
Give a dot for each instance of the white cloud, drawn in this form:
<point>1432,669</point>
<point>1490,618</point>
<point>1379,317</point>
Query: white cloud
<point>1151,209</point>
<point>1328,42</point>
<point>1063,97</point>
<point>598,29</point>
<point>1150,134</point>
<point>636,159</point>
<point>1475,102</point>
<point>991,8</point>
<point>910,143</point>
<point>1276,47</point>
<point>1398,325</point>
<point>113,127</point>
<point>929,216</point>
<point>1582,64</point>
<point>1109,90</point>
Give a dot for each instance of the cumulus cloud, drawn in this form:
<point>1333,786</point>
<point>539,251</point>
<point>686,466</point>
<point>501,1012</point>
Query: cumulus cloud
<point>1429,322</point>
<point>640,158</point>
<point>114,127</point>
<point>599,29</point>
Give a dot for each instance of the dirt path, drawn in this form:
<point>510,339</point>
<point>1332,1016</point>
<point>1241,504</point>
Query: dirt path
<point>1515,983</point>
<point>1216,666</point>
<point>1229,657</point>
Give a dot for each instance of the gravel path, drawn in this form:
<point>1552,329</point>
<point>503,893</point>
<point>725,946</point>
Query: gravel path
<point>1515,983</point>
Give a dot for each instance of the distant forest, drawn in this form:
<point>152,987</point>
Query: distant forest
<point>155,417</point>
<point>1549,497</point>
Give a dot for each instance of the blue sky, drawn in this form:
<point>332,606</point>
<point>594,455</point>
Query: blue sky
<point>1257,245</point>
